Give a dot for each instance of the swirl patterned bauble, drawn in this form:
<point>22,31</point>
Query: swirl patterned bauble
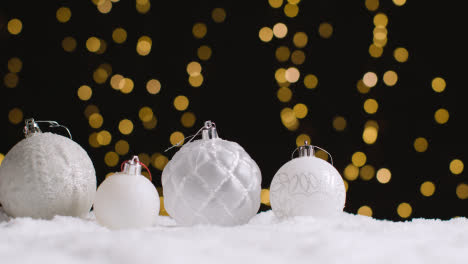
<point>307,186</point>
<point>46,175</point>
<point>211,181</point>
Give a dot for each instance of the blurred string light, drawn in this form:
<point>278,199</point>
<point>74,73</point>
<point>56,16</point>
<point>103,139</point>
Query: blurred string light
<point>404,210</point>
<point>365,210</point>
<point>438,84</point>
<point>14,26</point>
<point>15,116</point>
<point>384,175</point>
<point>427,188</point>
<point>456,166</point>
<point>63,14</point>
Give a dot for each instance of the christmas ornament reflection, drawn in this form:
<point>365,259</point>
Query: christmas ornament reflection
<point>45,175</point>
<point>211,181</point>
<point>127,199</point>
<point>307,186</point>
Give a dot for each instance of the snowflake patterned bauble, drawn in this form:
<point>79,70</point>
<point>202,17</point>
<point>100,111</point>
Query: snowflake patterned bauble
<point>45,175</point>
<point>211,181</point>
<point>127,199</point>
<point>307,186</point>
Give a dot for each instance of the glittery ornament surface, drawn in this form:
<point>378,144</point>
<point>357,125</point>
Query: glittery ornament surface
<point>46,175</point>
<point>307,186</point>
<point>211,181</point>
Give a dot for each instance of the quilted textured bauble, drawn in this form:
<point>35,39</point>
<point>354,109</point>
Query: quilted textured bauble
<point>307,186</point>
<point>46,175</point>
<point>126,200</point>
<point>211,181</point>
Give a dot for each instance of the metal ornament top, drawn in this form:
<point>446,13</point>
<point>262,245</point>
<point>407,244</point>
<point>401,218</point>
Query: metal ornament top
<point>132,166</point>
<point>307,150</point>
<point>31,127</point>
<point>209,130</point>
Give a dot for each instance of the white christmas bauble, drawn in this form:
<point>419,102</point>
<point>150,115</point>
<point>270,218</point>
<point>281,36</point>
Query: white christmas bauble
<point>126,201</point>
<point>307,186</point>
<point>211,181</point>
<point>46,175</point>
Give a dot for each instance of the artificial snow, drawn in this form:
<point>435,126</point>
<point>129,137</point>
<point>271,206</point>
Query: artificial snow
<point>265,239</point>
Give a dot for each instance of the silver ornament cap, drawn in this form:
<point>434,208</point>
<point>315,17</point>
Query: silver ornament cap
<point>209,130</point>
<point>306,150</point>
<point>31,127</point>
<point>132,167</point>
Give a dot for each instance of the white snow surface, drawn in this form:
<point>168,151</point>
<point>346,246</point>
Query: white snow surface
<point>265,239</point>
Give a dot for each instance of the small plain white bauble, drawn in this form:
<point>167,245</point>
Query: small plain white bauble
<point>211,181</point>
<point>307,186</point>
<point>46,175</point>
<point>126,201</point>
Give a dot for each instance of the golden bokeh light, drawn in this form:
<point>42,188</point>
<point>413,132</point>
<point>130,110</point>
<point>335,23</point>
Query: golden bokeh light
<point>282,53</point>
<point>151,124</point>
<point>399,2</point>
<point>143,46</point>
<point>346,185</point>
<point>275,3</point>
<point>69,44</point>
<point>115,82</point>
<point>369,135</point>
<point>93,142</point>
<point>15,65</point>
<point>288,118</point>
<point>375,51</point>
<point>280,30</point>
<point>372,5</point>
<point>194,68</point>
<point>390,78</point>
<point>367,172</point>
<point>292,74</point>
<point>14,26</point>
<point>188,119</point>
<point>122,147</point>
<point>358,159</point>
<point>300,39</point>
<point>351,172</point>
<point>371,106</point>
<point>310,81</point>
<point>145,114</point>
<point>90,109</point>
<point>93,44</point>
<point>196,81</point>
<point>438,84</point>
<point>420,144</point>
<point>265,197</point>
<point>199,30</point>
<point>204,52</point>
<point>95,120</point>
<point>11,80</point>
<point>298,57</point>
<point>1,158</point>
<point>144,158</point>
<point>441,116</point>
<point>104,138</point>
<point>159,161</point>
<point>111,159</point>
<point>84,92</point>
<point>462,191</point>
<point>427,188</point>
<point>362,88</point>
<point>284,94</point>
<point>280,75</point>
<point>143,6</point>
<point>126,85</point>
<point>177,137</point>
<point>339,123</point>
<point>104,6</point>
<point>300,139</point>
<point>404,210</point>
<point>325,30</point>
<point>456,166</point>
<point>181,103</point>
<point>370,79</point>
<point>100,75</point>
<point>401,54</point>
<point>15,116</point>
<point>384,175</point>
<point>321,155</point>
<point>218,15</point>
<point>265,34</point>
<point>126,126</point>
<point>291,10</point>
<point>365,210</point>
<point>380,20</point>
<point>300,110</point>
<point>153,86</point>
<point>63,14</point>
<point>119,35</point>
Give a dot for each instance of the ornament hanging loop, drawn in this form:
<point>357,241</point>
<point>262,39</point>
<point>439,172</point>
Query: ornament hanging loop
<point>308,151</point>
<point>31,127</point>
<point>208,131</point>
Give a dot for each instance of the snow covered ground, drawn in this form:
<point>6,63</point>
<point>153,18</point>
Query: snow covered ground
<point>346,239</point>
